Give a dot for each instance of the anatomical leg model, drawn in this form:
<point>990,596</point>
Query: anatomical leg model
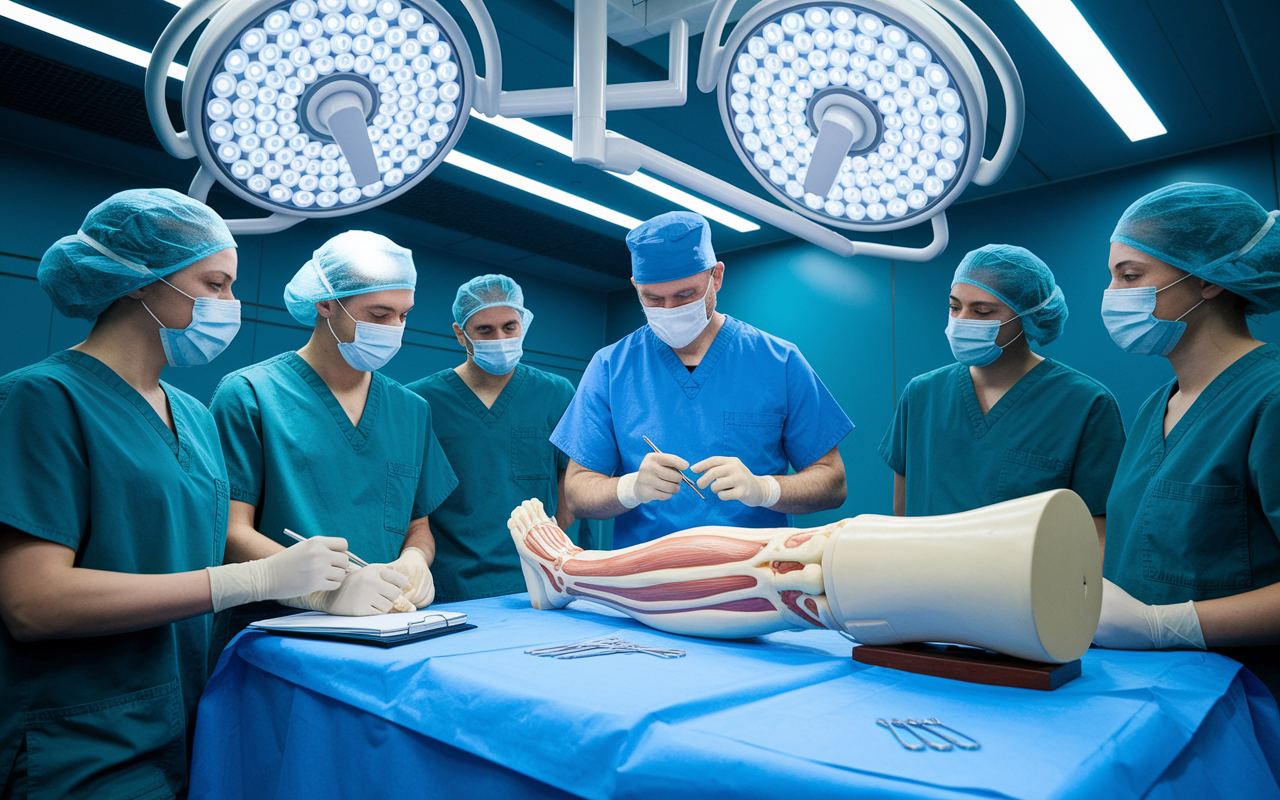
<point>1021,577</point>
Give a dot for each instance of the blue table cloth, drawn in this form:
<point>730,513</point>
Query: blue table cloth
<point>785,715</point>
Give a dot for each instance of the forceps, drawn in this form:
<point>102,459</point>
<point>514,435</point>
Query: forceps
<point>352,557</point>
<point>601,647</point>
<point>683,477</point>
<point>936,724</point>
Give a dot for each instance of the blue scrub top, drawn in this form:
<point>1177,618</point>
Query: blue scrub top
<point>87,463</point>
<point>293,453</point>
<point>503,456</point>
<point>752,396</point>
<point>1056,428</point>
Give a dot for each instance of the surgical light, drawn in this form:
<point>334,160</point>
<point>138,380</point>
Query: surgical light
<point>316,108</point>
<point>868,116</point>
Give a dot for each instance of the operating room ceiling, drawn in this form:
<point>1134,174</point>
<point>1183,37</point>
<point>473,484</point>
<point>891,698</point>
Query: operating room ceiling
<point>1209,69</point>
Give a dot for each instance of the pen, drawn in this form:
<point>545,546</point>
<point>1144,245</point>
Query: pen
<point>683,477</point>
<point>355,559</point>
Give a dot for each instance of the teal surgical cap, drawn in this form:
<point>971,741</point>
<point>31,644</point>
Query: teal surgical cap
<point>131,239</point>
<point>351,263</point>
<point>488,291</point>
<point>1020,280</point>
<point>670,247</point>
<point>1216,233</point>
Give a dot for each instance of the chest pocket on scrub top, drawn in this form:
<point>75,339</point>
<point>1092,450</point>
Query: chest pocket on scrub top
<point>755,438</point>
<point>1196,535</point>
<point>531,454</point>
<point>1023,474</point>
<point>402,487</point>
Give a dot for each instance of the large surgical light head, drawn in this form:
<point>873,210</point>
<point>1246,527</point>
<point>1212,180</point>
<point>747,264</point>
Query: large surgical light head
<point>867,115</point>
<point>315,108</point>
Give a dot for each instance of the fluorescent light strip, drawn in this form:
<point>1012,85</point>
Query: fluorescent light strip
<point>542,190</point>
<point>556,142</point>
<point>81,36</point>
<point>1062,24</point>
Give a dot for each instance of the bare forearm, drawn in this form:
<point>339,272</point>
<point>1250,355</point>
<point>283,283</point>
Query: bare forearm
<point>1249,618</point>
<point>591,495</point>
<point>245,543</point>
<point>564,514</point>
<point>1100,523</point>
<point>899,494</point>
<point>818,487</point>
<point>420,536</point>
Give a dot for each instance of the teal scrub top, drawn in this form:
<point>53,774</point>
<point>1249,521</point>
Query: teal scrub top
<point>1056,428</point>
<point>503,456</point>
<point>753,396</point>
<point>293,453</point>
<point>87,463</point>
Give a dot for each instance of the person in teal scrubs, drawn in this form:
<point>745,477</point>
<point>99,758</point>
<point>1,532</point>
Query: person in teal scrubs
<point>1002,422</point>
<point>738,407</point>
<point>1193,557</point>
<point>494,416</point>
<point>113,511</point>
<point>319,442</point>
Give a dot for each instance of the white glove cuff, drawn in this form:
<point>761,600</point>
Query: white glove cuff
<point>774,491</point>
<point>236,584</point>
<point>1179,627</point>
<point>627,490</point>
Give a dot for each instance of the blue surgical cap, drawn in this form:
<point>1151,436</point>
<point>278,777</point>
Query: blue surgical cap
<point>131,239</point>
<point>1216,233</point>
<point>488,291</point>
<point>1020,280</point>
<point>351,263</point>
<point>670,247</point>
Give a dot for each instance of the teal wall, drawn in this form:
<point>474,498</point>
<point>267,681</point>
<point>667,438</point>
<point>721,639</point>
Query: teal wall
<point>869,325</point>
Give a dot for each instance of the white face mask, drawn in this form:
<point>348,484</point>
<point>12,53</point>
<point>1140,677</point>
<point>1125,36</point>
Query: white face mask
<point>679,326</point>
<point>374,344</point>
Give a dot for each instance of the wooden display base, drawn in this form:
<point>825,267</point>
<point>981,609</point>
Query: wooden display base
<point>969,664</point>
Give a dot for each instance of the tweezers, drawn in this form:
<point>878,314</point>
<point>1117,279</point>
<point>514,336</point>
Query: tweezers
<point>912,724</point>
<point>352,557</point>
<point>901,741</point>
<point>933,721</point>
<point>683,477</point>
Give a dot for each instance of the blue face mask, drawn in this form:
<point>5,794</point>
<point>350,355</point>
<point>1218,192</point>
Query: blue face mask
<point>214,323</point>
<point>973,341</point>
<point>497,356</point>
<point>374,344</point>
<point>1129,315</point>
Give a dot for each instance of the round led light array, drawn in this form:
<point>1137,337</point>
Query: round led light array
<point>402,62</point>
<point>794,59</point>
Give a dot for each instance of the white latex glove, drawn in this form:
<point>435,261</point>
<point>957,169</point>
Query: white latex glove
<point>657,479</point>
<point>368,590</point>
<point>1129,624</point>
<point>730,479</point>
<point>412,564</point>
<point>318,564</point>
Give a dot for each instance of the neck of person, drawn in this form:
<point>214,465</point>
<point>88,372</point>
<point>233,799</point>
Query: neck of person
<point>1016,360</point>
<point>481,381</point>
<point>321,354</point>
<point>128,343</point>
<point>1208,346</point>
<point>692,353</point>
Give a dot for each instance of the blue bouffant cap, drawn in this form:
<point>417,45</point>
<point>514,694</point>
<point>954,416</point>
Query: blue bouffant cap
<point>1020,280</point>
<point>670,247</point>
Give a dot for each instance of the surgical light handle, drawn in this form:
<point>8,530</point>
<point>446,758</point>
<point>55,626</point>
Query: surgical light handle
<point>179,29</point>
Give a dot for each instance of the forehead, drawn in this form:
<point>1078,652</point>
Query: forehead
<point>667,288</point>
<point>496,316</point>
<point>1121,252</point>
<point>397,299</point>
<point>223,261</point>
<point>968,293</point>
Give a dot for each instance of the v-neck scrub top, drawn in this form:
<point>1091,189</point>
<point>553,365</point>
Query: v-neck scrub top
<point>1055,428</point>
<point>503,456</point>
<point>753,396</point>
<point>87,463</point>
<point>293,453</point>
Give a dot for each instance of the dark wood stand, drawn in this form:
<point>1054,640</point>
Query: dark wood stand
<point>969,664</point>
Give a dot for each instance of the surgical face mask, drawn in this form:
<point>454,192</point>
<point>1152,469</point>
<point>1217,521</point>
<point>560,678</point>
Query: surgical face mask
<point>973,341</point>
<point>497,356</point>
<point>1129,315</point>
<point>374,344</point>
<point>214,323</point>
<point>680,325</point>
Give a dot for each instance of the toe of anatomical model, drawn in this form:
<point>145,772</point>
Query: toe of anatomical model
<point>542,547</point>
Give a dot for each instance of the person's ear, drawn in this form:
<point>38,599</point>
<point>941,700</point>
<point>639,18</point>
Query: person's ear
<point>462,339</point>
<point>718,274</point>
<point>324,308</point>
<point>1209,290</point>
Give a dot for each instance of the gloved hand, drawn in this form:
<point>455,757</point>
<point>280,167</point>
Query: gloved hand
<point>318,564</point>
<point>657,479</point>
<point>412,564</point>
<point>368,590</point>
<point>730,479</point>
<point>1129,624</point>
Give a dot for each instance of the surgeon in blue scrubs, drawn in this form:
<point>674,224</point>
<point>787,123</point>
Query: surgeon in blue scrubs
<point>729,402</point>
<point>113,511</point>
<point>1193,558</point>
<point>493,415</point>
<point>1003,421</point>
<point>319,442</point>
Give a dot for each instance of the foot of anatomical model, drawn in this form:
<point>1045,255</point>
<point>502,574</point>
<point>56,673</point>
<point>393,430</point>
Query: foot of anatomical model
<point>710,581</point>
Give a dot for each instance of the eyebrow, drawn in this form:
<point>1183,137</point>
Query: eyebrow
<point>1128,261</point>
